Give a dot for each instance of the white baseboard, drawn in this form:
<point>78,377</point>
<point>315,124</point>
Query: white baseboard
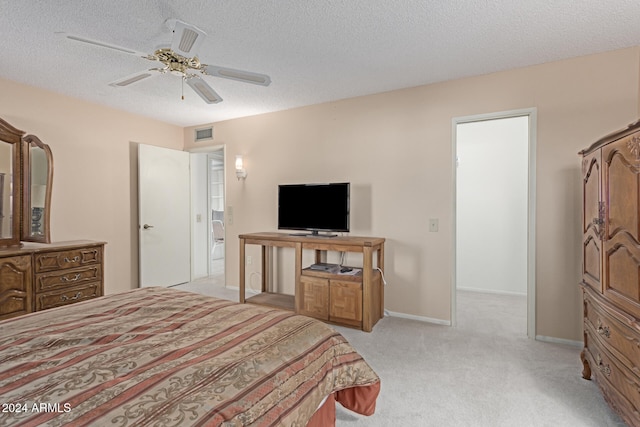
<point>418,318</point>
<point>424,319</point>
<point>555,340</point>
<point>490,291</point>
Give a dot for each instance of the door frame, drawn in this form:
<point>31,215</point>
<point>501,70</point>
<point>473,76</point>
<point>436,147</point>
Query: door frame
<point>206,150</point>
<point>531,208</point>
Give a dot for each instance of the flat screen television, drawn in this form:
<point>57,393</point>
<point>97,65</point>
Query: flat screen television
<point>314,207</point>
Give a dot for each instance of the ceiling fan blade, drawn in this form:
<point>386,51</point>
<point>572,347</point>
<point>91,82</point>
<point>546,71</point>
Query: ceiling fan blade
<point>186,39</point>
<point>132,78</point>
<point>203,89</point>
<point>239,75</point>
<point>101,44</point>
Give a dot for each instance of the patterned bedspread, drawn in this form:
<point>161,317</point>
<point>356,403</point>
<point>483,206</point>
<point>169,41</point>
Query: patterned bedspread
<point>162,357</point>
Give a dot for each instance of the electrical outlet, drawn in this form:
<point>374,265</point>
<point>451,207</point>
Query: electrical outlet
<point>249,260</point>
<point>433,225</point>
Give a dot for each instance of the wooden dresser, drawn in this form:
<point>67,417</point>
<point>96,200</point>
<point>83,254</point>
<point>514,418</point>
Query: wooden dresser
<point>611,269</point>
<point>37,276</point>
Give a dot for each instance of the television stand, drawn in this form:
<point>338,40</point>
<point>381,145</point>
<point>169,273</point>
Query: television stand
<point>347,299</point>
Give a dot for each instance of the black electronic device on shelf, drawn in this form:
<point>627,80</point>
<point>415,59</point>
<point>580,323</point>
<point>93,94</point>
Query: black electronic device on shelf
<point>323,266</point>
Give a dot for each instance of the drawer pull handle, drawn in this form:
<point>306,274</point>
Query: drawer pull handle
<point>73,279</point>
<point>74,259</point>
<point>73,298</point>
<point>603,330</point>
<point>605,369</point>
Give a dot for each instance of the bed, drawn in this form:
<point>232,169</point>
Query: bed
<point>163,357</point>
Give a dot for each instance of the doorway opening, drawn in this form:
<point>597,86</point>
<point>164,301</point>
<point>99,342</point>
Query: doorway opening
<point>208,215</point>
<point>216,199</point>
<point>494,211</point>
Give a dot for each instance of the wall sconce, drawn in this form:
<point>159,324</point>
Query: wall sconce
<point>241,173</point>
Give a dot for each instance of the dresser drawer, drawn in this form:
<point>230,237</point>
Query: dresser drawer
<point>68,259</point>
<point>68,296</point>
<point>621,385</point>
<point>615,330</point>
<point>59,280</point>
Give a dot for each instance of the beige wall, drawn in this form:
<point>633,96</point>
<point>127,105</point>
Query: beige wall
<point>92,184</point>
<point>396,150</point>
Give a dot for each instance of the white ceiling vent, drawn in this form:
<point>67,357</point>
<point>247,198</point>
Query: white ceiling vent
<point>204,134</point>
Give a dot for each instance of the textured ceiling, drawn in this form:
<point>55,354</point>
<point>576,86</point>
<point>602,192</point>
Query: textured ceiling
<point>314,50</point>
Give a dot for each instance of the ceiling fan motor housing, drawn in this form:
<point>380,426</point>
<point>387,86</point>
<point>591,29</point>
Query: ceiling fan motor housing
<point>176,63</point>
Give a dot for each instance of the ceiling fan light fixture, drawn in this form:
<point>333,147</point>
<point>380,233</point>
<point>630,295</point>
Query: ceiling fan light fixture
<point>180,59</point>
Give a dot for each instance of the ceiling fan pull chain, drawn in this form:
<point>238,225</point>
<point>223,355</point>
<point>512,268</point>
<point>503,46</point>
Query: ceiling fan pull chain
<point>183,79</point>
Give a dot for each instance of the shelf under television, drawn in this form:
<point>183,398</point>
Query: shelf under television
<point>275,300</point>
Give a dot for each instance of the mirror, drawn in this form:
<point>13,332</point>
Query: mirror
<point>38,176</point>
<point>5,190</point>
<point>26,174</point>
<point>10,184</point>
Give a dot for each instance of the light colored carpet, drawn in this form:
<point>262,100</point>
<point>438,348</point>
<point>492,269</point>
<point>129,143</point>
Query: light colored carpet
<point>484,372</point>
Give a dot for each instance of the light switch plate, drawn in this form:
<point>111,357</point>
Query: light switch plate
<point>229,215</point>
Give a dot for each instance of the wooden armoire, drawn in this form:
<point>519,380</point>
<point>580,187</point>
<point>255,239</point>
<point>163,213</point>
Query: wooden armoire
<point>611,268</point>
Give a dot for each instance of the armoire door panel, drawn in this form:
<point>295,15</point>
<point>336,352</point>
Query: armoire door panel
<point>592,221</point>
<point>591,192</point>
<point>622,184</point>
<point>622,262</point>
<point>592,261</point>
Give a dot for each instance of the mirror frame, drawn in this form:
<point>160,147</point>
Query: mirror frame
<point>12,135</point>
<point>27,142</point>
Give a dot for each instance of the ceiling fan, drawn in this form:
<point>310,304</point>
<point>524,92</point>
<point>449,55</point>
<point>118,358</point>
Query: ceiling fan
<point>180,59</point>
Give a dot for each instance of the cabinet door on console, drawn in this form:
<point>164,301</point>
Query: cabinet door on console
<point>621,267</point>
<point>592,221</point>
<point>346,302</point>
<point>315,297</point>
<point>15,286</point>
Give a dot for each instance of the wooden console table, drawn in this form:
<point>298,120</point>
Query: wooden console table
<point>350,300</point>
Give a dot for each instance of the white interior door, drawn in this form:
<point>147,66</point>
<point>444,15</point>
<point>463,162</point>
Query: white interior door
<point>163,216</point>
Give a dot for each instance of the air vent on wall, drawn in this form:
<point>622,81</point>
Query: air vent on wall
<point>204,134</point>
